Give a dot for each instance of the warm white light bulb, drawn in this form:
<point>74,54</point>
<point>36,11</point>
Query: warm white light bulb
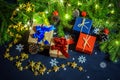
<point>17,9</point>
<point>117,42</point>
<point>112,11</point>
<point>69,4</point>
<point>67,16</point>
<point>79,3</point>
<point>61,1</point>
<point>25,25</point>
<point>96,6</point>
<point>46,12</point>
<point>28,23</point>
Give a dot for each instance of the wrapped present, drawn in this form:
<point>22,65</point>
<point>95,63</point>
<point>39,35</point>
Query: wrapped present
<point>59,48</point>
<point>82,25</point>
<point>41,34</point>
<point>85,43</point>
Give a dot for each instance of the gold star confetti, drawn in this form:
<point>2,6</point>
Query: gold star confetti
<point>49,70</point>
<point>68,63</point>
<point>63,65</point>
<point>20,68</point>
<point>37,67</point>
<point>18,63</point>
<point>24,56</point>
<point>28,9</point>
<point>6,55</point>
<point>32,63</point>
<point>7,49</point>
<point>15,41</point>
<point>18,36</point>
<point>55,68</point>
<point>80,68</point>
<point>11,58</point>
<point>73,65</point>
<point>26,67</point>
<point>10,45</point>
<point>16,57</point>
<point>35,73</point>
<point>42,71</point>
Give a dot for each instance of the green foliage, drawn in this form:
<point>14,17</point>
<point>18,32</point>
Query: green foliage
<point>5,14</point>
<point>112,47</point>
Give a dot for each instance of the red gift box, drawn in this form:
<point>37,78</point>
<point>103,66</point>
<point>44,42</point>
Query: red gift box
<point>85,43</point>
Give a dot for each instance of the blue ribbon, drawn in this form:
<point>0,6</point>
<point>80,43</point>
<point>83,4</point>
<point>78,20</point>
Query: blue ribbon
<point>40,31</point>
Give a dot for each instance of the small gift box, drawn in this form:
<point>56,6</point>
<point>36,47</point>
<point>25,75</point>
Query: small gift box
<point>82,25</point>
<point>41,34</point>
<point>85,43</point>
<point>59,48</point>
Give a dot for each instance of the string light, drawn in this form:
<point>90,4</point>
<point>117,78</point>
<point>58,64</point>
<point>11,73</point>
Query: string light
<point>112,11</point>
<point>17,9</point>
<point>117,42</point>
<point>96,6</point>
<point>69,4</point>
<point>107,22</point>
<point>28,23</point>
<point>46,11</point>
<point>110,5</point>
<point>25,25</point>
<point>61,1</point>
<point>79,3</point>
<point>67,16</point>
<point>34,20</point>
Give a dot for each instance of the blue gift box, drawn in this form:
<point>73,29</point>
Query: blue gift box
<point>82,25</point>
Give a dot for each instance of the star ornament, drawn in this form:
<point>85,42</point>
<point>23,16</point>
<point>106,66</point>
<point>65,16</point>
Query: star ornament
<point>74,65</point>
<point>32,63</point>
<point>6,55</point>
<point>83,24</point>
<point>42,71</point>
<point>19,47</point>
<point>18,64</point>
<point>56,68</point>
<point>80,68</point>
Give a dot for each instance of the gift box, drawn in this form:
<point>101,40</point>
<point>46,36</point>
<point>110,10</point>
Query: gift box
<point>41,34</point>
<point>82,25</point>
<point>85,43</point>
<point>59,48</point>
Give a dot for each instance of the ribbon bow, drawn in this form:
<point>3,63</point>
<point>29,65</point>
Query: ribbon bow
<point>40,31</point>
<point>83,24</point>
<point>60,44</point>
<point>86,42</point>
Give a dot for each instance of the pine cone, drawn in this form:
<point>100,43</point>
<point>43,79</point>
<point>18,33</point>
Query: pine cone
<point>33,48</point>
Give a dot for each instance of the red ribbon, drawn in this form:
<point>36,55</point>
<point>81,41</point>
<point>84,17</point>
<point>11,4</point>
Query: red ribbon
<point>60,45</point>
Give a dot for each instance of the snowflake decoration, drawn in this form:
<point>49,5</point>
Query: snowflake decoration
<point>82,59</point>
<point>19,47</point>
<point>103,65</point>
<point>96,31</point>
<point>53,62</point>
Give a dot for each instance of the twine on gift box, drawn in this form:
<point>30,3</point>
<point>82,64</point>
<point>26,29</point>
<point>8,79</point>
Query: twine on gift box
<point>83,24</point>
<point>86,42</point>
